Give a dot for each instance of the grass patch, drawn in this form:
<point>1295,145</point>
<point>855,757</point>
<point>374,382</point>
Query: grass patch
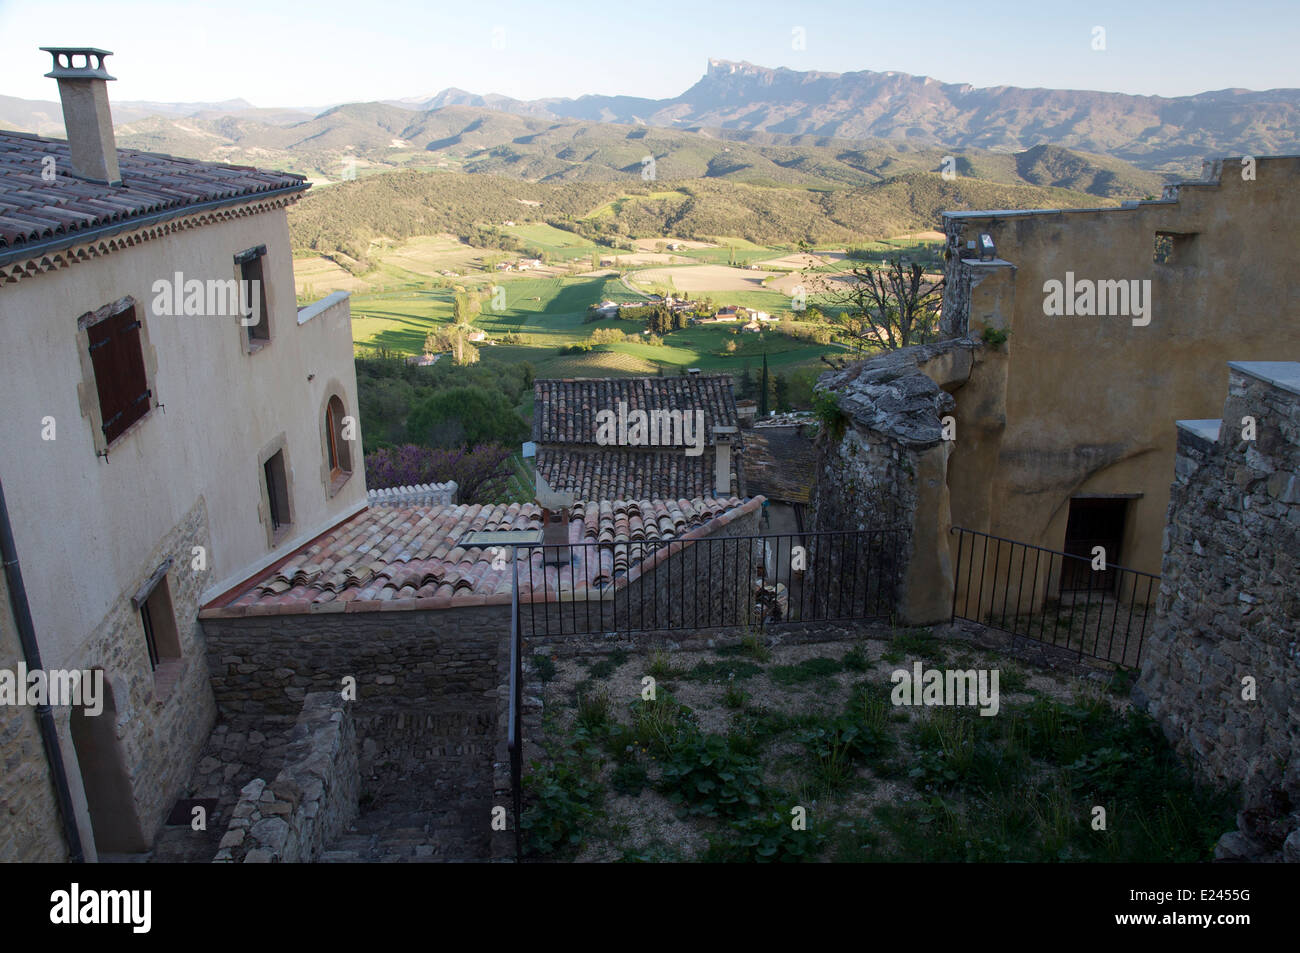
<point>809,670</point>
<point>723,671</point>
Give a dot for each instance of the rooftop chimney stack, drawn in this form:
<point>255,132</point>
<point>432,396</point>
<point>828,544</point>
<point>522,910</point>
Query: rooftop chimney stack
<point>83,88</point>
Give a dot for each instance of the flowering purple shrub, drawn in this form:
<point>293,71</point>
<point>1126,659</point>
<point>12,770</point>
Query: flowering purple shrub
<point>481,473</point>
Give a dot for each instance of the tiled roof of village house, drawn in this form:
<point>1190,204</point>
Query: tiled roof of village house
<point>779,464</point>
<point>614,473</point>
<point>411,557</point>
<point>565,410</point>
<point>62,212</point>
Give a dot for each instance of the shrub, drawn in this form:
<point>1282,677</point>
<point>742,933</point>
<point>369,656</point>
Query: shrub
<point>764,837</point>
<point>562,802</point>
<point>704,774</point>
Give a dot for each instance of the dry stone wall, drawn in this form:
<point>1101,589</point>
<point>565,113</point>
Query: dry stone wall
<point>1221,671</point>
<point>311,801</point>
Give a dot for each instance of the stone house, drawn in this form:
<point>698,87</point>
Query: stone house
<point>574,456</point>
<point>174,422</point>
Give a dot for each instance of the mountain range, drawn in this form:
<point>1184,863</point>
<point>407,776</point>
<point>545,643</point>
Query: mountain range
<point>758,106</point>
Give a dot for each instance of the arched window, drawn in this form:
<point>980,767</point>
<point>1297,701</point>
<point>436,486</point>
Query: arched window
<point>336,447</point>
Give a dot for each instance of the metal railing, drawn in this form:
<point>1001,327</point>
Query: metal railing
<point>712,582</point>
<point>1037,593</point>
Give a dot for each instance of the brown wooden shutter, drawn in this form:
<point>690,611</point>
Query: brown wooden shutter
<point>115,353</point>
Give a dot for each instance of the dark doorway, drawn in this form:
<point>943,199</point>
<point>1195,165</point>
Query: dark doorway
<point>1093,522</point>
<point>103,775</point>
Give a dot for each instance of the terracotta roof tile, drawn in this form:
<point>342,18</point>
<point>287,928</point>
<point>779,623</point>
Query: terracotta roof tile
<point>33,210</point>
<point>780,463</point>
<point>565,410</point>
<point>392,555</point>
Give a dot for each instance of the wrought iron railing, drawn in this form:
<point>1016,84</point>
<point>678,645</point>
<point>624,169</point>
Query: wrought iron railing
<point>712,582</point>
<point>1053,597</point>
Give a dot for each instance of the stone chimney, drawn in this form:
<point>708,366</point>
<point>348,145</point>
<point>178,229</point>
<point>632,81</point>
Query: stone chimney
<point>83,87</point>
<point>722,437</point>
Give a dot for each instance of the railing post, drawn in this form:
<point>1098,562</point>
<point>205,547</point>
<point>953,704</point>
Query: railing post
<point>514,734</point>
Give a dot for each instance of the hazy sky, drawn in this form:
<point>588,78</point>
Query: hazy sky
<point>328,51</point>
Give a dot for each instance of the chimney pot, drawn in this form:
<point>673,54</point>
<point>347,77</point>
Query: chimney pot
<point>87,118</point>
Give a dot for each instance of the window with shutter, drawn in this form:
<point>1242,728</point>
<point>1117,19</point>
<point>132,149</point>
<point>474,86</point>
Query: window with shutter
<point>120,380</point>
<point>254,289</point>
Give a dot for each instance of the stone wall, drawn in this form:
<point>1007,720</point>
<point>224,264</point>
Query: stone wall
<point>313,798</point>
<point>30,826</point>
<point>429,660</point>
<point>1221,670</point>
<point>889,470</point>
<point>432,692</point>
<point>162,724</point>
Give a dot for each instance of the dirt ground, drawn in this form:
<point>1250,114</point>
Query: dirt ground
<point>649,822</point>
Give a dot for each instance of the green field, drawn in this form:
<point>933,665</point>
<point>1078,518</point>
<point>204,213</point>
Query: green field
<point>535,318</point>
<point>556,242</point>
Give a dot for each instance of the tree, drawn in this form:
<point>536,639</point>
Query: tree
<point>462,416</point>
<point>748,386</point>
<point>464,307</point>
<point>452,338</point>
<point>891,306</point>
<point>762,389</point>
<point>781,390</point>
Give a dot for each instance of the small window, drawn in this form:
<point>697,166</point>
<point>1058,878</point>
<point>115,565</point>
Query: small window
<point>159,621</point>
<point>277,492</point>
<point>1172,248</point>
<point>253,294</point>
<point>337,449</point>
<point>120,381</point>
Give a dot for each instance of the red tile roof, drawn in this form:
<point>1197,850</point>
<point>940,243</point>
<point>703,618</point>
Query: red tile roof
<point>565,410</point>
<point>780,463</point>
<point>612,473</point>
<point>68,210</point>
<point>396,557</point>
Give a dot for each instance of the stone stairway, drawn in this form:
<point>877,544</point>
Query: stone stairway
<point>431,803</point>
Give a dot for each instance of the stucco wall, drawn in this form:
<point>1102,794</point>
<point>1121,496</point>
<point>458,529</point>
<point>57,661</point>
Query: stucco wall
<point>1086,405</point>
<point>91,529</point>
<point>84,525</point>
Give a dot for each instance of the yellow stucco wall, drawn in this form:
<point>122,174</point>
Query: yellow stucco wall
<point>1081,405</point>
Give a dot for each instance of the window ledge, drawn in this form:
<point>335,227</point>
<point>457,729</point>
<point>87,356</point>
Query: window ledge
<point>337,481</point>
<point>257,344</point>
<point>278,536</point>
<point>166,677</point>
